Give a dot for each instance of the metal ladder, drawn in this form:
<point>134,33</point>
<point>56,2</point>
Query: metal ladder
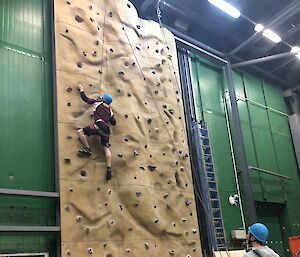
<point>212,188</point>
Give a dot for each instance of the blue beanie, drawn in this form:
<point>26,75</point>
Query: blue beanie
<point>107,98</point>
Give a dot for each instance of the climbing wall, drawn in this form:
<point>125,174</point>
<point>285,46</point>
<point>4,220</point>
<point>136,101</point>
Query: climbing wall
<point>148,207</point>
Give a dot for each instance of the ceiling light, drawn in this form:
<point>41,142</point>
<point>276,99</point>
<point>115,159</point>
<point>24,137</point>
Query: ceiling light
<point>226,7</point>
<point>298,55</point>
<point>295,49</point>
<point>272,36</point>
<point>259,27</point>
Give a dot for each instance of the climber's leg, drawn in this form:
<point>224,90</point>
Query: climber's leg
<point>105,144</point>
<point>83,133</point>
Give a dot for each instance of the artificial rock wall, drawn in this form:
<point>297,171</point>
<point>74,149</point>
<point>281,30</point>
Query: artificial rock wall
<point>148,208</point>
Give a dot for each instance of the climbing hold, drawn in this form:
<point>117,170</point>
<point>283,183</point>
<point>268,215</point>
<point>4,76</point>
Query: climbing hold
<point>134,177</point>
<point>154,206</point>
<point>174,225</point>
<point>156,221</point>
<point>126,139</point>
<point>194,249</point>
<point>169,181</point>
<point>110,14</point>
<point>90,250</point>
<point>142,168</point>
<point>153,72</point>
<point>138,193</point>
<point>136,205</point>
<point>151,168</point>
<point>121,73</point>
<point>133,64</point>
<point>92,20</point>
<point>104,245</point>
<point>147,246</point>
<point>126,116</point>
<point>68,2</point>
<point>128,5</point>
<point>87,230</point>
<point>188,202</point>
<point>164,106</point>
<point>171,111</point>
<point>164,154</point>
<point>71,189</point>
<point>157,50</point>
<point>111,222</point>
<point>67,208</point>
<point>66,30</point>
<point>171,252</point>
<point>109,191</point>
<point>83,173</point>
<point>146,146</point>
<point>182,169</point>
<point>135,153</point>
<point>156,91</point>
<point>120,155</point>
<point>177,163</point>
<point>112,50</point>
<point>69,137</point>
<point>130,229</point>
<point>137,48</point>
<point>128,250</point>
<point>94,53</point>
<point>98,188</point>
<point>183,219</point>
<point>78,218</point>
<point>149,121</point>
<point>69,104</point>
<point>191,214</point>
<point>68,252</point>
<point>194,231</point>
<point>166,195</point>
<point>69,89</point>
<point>138,26</point>
<point>179,117</point>
<point>90,7</point>
<point>79,65</point>
<point>67,160</point>
<point>129,94</point>
<point>78,19</point>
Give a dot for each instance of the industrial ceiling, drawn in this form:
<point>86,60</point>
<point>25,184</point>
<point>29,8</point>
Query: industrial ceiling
<point>236,38</point>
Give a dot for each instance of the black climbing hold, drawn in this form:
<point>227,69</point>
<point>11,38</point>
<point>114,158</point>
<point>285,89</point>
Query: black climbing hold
<point>180,152</point>
<point>156,91</point>
<point>71,189</point>
<point>182,169</point>
<point>151,168</point>
<point>78,19</point>
<point>128,5</point>
<point>191,214</point>
<point>126,116</point>
<point>171,111</point>
<point>194,231</point>
<point>178,100</point>
<point>79,65</point>
<point>112,50</point>
<point>174,224</point>
<point>149,121</point>
<point>105,244</point>
<point>166,195</point>
<point>146,246</point>
<point>121,73</point>
<point>138,193</point>
<point>177,92</point>
<point>67,160</point>
<point>142,168</point>
<point>106,204</point>
<point>94,53</point>
<point>90,7</point>
<point>68,2</point>
<point>137,48</point>
<point>149,131</point>
<point>146,103</point>
<point>119,90</point>
<point>186,185</point>
<point>144,78</point>
<point>120,155</point>
<point>69,137</point>
<point>134,177</point>
<point>179,117</point>
<point>121,208</point>
<point>167,122</point>
<point>164,106</point>
<point>157,50</point>
<point>110,14</point>
<point>148,47</point>
<point>130,229</point>
<point>136,153</point>
<point>69,89</point>
<point>84,53</point>
<point>123,28</point>
<point>126,139</point>
<point>156,221</point>
<point>98,13</point>
<point>83,173</point>
<point>129,94</point>
<point>136,205</point>
<point>164,154</point>
<point>133,64</point>
<point>153,72</point>
<point>98,28</point>
<point>150,156</point>
<point>100,71</point>
<point>138,26</point>
<point>154,206</point>
<point>92,20</point>
<point>90,84</point>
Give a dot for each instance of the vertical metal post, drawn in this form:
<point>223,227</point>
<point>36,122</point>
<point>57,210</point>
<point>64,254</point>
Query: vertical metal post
<point>240,146</point>
<point>55,121</point>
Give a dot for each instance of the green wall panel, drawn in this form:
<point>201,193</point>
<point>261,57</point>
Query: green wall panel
<point>268,145</point>
<point>26,117</point>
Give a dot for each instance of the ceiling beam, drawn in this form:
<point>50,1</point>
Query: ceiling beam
<point>277,20</point>
<point>146,4</point>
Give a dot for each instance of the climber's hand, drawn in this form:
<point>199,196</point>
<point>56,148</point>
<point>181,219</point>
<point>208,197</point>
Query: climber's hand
<point>80,88</point>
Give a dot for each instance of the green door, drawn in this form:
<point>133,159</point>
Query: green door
<point>270,217</point>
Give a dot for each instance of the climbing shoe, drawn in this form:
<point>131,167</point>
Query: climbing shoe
<point>109,174</point>
<point>84,152</point>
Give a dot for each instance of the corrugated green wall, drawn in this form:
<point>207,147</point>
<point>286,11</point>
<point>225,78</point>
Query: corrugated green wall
<point>26,118</point>
<point>268,146</point>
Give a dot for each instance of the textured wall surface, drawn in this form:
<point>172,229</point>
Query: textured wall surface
<point>148,207</point>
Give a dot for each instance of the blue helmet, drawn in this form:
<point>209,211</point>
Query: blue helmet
<point>259,231</point>
<point>107,98</point>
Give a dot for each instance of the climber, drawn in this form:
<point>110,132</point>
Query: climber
<point>256,238</point>
<point>103,117</point>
